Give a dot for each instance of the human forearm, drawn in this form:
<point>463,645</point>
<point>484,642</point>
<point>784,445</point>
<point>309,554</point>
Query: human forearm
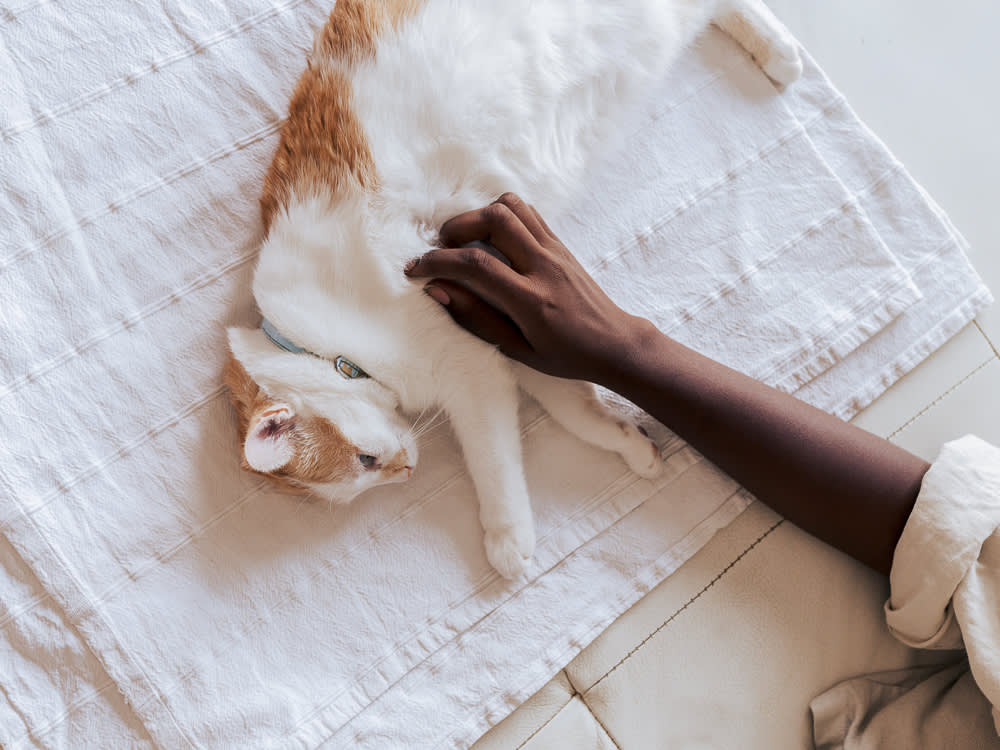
<point>842,484</point>
<point>837,481</point>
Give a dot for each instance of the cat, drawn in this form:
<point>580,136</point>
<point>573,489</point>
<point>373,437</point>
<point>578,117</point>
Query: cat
<point>410,112</point>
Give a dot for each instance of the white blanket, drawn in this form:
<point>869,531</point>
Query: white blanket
<point>151,593</point>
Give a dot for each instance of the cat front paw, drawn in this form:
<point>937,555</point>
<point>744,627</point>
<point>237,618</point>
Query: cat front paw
<point>641,454</point>
<point>509,548</point>
<point>784,67</point>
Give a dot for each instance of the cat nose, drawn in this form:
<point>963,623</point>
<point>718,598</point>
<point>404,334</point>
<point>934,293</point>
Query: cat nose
<point>399,465</point>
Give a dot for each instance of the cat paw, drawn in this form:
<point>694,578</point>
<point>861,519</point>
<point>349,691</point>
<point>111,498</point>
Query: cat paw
<point>784,66</point>
<point>641,454</point>
<point>509,548</point>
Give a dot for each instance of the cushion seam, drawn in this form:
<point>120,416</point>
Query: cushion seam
<point>686,604</point>
<point>938,400</point>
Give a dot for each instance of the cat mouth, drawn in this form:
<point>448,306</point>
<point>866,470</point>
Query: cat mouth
<point>400,475</point>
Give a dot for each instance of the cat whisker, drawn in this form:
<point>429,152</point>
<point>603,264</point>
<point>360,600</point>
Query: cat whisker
<point>416,422</point>
<point>419,430</point>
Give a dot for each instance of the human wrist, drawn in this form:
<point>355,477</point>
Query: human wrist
<point>622,364</point>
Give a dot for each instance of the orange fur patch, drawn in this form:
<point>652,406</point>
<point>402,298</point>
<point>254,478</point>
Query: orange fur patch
<point>355,25</point>
<point>396,464</point>
<point>322,147</point>
<point>247,397</point>
<point>321,452</point>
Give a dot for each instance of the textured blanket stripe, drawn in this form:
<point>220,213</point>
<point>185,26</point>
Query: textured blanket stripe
<point>176,295</point>
<point>622,483</point>
<point>150,187</point>
<point>490,579</point>
<point>46,116</point>
<point>212,276</point>
<point>793,133</point>
<point>92,606</point>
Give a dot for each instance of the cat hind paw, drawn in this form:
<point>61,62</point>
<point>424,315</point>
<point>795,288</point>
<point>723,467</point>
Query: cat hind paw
<point>509,548</point>
<point>642,455</point>
<point>784,69</point>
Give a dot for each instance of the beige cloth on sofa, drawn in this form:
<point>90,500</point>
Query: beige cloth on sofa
<point>945,594</point>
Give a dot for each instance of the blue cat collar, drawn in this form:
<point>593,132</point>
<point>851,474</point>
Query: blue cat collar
<point>279,340</point>
<point>344,366</point>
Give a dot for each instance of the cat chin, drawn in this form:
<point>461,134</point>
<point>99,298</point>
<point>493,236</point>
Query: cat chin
<point>337,493</point>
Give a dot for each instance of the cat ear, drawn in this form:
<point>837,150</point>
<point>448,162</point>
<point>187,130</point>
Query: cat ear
<point>269,442</point>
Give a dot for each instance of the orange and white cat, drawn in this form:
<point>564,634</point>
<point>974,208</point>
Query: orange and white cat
<point>409,112</point>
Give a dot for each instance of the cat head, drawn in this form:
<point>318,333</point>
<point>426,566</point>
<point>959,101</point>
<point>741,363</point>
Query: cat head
<point>305,426</point>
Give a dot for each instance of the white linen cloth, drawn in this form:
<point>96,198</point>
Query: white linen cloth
<point>153,594</point>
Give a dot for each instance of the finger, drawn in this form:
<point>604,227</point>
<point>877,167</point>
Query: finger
<point>501,286</point>
<point>525,212</point>
<point>499,226</point>
<point>541,223</point>
<point>479,318</point>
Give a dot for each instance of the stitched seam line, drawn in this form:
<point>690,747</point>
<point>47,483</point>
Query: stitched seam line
<point>888,288</point>
<point>118,203</point>
<point>434,667</point>
<point>572,647</point>
<point>488,579</point>
<point>161,558</point>
<point>89,697</point>
<point>909,358</point>
<point>936,401</point>
<point>988,339</point>
<point>65,486</point>
<point>155,66</point>
<point>29,606</point>
<point>14,614</point>
<point>131,661</point>
<point>600,723</point>
<point>152,186</point>
<point>687,604</point>
<point>547,721</point>
<point>793,133</point>
<point>891,288</point>
<point>175,295</point>
<point>734,283</point>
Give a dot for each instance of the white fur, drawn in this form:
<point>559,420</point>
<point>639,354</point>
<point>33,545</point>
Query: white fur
<point>466,101</point>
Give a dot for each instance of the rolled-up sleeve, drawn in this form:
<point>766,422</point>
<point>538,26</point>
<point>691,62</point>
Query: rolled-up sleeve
<point>945,578</point>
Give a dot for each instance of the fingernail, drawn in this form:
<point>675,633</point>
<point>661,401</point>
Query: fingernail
<point>410,265</point>
<point>437,294</point>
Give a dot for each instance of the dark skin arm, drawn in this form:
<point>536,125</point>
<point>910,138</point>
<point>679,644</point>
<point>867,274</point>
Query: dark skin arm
<point>845,486</point>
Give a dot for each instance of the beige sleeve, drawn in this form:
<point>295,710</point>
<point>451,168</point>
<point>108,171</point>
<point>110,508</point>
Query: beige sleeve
<point>945,578</point>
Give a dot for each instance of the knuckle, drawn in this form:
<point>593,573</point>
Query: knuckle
<point>511,200</point>
<point>474,258</point>
<point>497,214</point>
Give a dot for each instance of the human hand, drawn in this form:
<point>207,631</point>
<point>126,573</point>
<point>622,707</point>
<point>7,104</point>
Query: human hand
<point>544,309</point>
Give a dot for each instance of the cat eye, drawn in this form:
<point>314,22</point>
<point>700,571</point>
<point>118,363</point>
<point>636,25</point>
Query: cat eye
<point>369,462</point>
